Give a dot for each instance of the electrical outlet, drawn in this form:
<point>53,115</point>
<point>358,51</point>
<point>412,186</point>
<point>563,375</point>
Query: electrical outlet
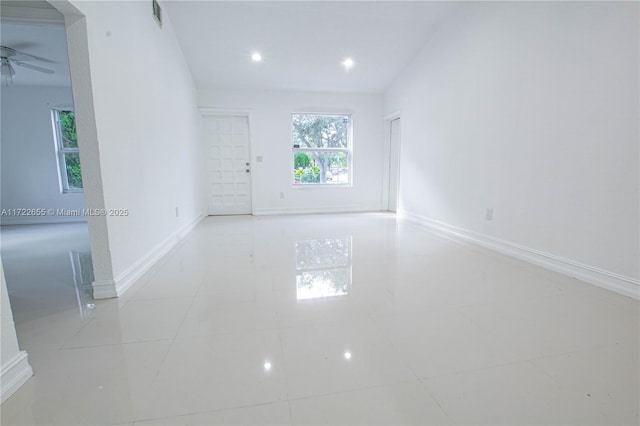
<point>177,212</point>
<point>281,195</point>
<point>489,215</point>
<point>259,159</point>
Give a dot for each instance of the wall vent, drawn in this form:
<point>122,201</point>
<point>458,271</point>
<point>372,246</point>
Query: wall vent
<point>157,12</point>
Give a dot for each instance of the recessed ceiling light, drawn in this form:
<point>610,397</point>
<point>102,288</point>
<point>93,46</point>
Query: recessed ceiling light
<point>256,57</point>
<point>348,63</point>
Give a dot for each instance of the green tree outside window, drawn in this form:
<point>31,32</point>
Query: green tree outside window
<point>69,157</point>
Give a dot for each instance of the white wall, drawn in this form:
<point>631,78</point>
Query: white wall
<point>147,129</point>
<point>270,127</point>
<point>532,109</point>
<point>14,366</point>
<point>29,166</point>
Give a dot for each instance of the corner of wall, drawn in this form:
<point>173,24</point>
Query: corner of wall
<point>14,369</point>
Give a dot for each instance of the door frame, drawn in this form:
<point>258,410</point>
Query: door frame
<point>386,160</point>
<point>232,112</point>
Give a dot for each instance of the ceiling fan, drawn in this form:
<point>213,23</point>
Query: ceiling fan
<point>11,57</point>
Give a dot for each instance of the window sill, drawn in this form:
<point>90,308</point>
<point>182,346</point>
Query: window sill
<point>321,185</point>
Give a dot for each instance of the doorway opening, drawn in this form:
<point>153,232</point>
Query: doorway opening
<point>391,165</point>
<point>46,252</point>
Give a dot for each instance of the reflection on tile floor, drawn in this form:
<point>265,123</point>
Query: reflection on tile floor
<point>319,319</point>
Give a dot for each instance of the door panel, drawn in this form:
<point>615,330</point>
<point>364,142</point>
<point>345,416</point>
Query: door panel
<point>228,164</point>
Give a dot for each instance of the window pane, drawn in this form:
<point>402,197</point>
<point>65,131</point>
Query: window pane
<point>74,174</point>
<point>67,121</point>
<point>320,131</point>
<point>311,167</point>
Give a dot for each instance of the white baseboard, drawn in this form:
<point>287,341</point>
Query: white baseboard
<point>40,220</point>
<point>114,288</point>
<point>14,374</point>
<point>314,210</point>
<point>104,289</point>
<point>611,281</point>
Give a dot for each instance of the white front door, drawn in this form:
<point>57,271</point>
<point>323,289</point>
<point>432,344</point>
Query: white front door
<point>228,164</point>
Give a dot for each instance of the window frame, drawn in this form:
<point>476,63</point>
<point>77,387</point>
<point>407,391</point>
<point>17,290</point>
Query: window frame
<point>61,151</point>
<point>348,150</point>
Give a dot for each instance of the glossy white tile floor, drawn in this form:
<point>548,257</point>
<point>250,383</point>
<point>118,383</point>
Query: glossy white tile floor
<point>323,319</point>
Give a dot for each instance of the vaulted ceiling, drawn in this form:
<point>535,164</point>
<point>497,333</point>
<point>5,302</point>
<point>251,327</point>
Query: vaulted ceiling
<point>302,43</point>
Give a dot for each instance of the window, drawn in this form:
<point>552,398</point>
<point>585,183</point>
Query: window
<point>321,149</point>
<point>64,130</point>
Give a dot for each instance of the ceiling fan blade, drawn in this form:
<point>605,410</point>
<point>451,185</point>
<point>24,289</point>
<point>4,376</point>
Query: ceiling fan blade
<point>22,56</point>
<point>24,45</point>
<point>33,67</point>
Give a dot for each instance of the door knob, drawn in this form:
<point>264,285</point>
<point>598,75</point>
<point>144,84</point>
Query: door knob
<point>247,170</point>
<point>246,164</point>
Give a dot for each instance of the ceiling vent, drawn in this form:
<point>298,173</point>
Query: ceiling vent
<point>157,12</point>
